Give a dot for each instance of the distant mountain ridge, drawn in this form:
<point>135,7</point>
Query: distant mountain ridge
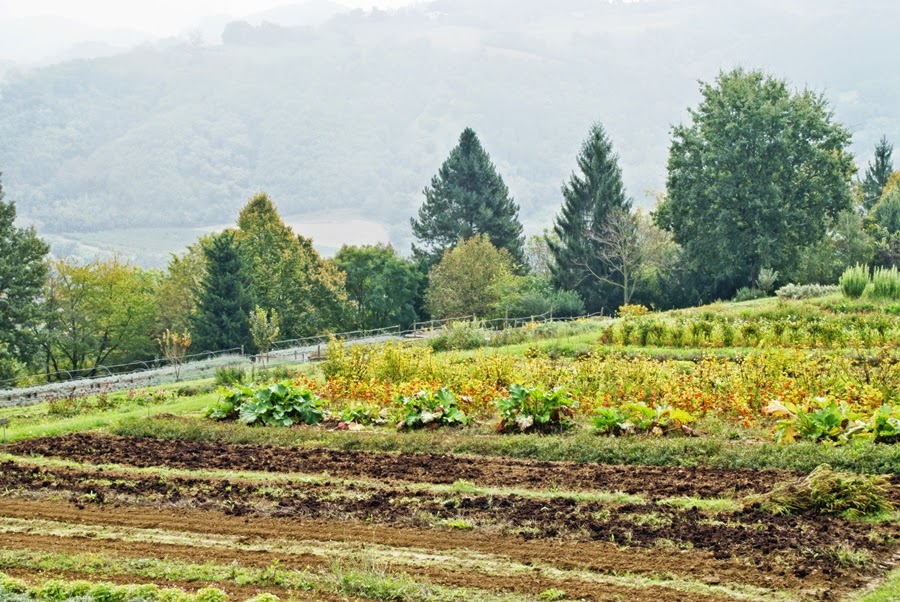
<point>357,113</point>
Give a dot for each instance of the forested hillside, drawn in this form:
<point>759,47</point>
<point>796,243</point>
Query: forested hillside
<point>357,114</point>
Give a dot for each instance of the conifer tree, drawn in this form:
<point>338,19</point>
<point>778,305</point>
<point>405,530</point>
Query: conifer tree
<point>465,198</point>
<point>877,173</point>
<point>223,302</point>
<point>22,275</point>
<point>589,198</point>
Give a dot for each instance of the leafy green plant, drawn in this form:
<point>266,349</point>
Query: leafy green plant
<point>854,281</point>
<point>638,417</point>
<point>827,491</point>
<point>534,409</point>
<point>364,414</point>
<point>279,404</point>
<point>886,424</point>
<point>821,420</point>
<point>432,410</point>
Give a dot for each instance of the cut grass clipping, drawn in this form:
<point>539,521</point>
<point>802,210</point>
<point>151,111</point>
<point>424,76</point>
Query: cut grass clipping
<point>827,491</point>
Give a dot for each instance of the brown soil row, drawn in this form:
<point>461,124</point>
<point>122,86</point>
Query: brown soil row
<point>594,556</point>
<point>802,540</point>
<point>652,482</point>
<point>531,585</point>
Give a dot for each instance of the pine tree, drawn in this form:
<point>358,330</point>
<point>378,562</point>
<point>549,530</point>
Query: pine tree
<point>467,197</point>
<point>588,200</point>
<point>223,302</point>
<point>877,173</point>
<point>22,275</point>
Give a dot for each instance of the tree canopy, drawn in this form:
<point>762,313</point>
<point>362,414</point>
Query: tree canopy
<point>758,174</point>
<point>589,197</point>
<point>22,275</point>
<point>465,281</point>
<point>381,286</point>
<point>286,273</point>
<point>467,197</point>
<point>223,302</point>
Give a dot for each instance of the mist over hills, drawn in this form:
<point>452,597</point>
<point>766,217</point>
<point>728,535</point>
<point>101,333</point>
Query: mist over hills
<point>355,111</point>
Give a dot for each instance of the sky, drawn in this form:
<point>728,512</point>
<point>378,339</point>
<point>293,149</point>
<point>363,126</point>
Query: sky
<point>159,17</point>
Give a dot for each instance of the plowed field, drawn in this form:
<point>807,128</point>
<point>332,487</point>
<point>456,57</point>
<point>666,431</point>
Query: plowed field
<point>464,526</point>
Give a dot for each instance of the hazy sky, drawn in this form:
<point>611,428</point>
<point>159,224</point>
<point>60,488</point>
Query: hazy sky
<point>159,17</point>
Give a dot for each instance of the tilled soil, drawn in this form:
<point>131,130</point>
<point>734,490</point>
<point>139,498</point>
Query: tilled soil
<point>601,557</point>
<point>649,481</point>
<point>748,533</point>
<point>567,531</point>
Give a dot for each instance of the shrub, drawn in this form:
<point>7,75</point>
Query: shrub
<point>826,491</point>
<point>534,409</point>
<point>460,336</point>
<point>425,409</point>
<point>230,375</point>
<point>280,404</point>
<point>854,281</point>
<point>806,291</point>
<point>886,283</point>
<point>765,281</point>
<point>748,294</point>
<point>633,311</point>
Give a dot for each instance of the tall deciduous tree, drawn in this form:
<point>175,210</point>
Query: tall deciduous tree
<point>100,313</point>
<point>465,281</point>
<point>287,274</point>
<point>176,294</point>
<point>22,274</point>
<point>381,286</point>
<point>877,173</point>
<point>465,198</point>
<point>758,174</point>
<point>589,197</point>
<point>223,303</point>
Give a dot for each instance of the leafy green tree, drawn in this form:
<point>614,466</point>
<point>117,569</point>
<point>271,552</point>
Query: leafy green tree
<point>467,197</point>
<point>99,313</point>
<point>287,274</point>
<point>589,197</point>
<point>223,303</point>
<point>848,243</point>
<point>264,329</point>
<point>877,173</point>
<point>381,286</point>
<point>176,294</point>
<point>22,274</point>
<point>758,175</point>
<point>466,280</point>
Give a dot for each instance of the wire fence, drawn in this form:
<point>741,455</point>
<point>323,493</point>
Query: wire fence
<point>201,365</point>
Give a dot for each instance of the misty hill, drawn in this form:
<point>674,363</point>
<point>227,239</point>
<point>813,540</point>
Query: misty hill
<point>356,115</point>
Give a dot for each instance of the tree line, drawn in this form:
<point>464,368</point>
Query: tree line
<point>760,187</point>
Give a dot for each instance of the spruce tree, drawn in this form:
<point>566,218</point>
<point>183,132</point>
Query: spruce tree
<point>589,197</point>
<point>223,302</point>
<point>465,198</point>
<point>877,173</point>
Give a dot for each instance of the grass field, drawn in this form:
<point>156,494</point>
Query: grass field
<point>141,497</point>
